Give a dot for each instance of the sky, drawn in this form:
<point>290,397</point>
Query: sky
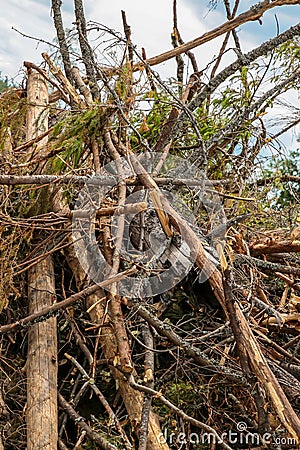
<point>151,24</point>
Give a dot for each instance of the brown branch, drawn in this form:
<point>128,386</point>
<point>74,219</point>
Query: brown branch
<point>96,156</point>
<point>30,65</point>
<point>226,39</point>
<point>79,338</point>
<point>254,13</point>
<point>127,31</point>
<point>278,398</point>
<point>149,381</point>
<point>50,310</point>
<point>38,259</point>
<point>251,356</point>
<point>286,356</point>
<point>275,247</point>
<point>183,415</point>
<point>180,40</point>
<point>95,437</point>
<point>264,374</point>
<point>84,90</point>
<point>65,83</point>
<point>33,141</point>
<point>168,216</point>
<point>102,399</point>
<point>115,303</point>
<point>239,337</point>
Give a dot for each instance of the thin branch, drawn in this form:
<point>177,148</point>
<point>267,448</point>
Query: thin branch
<point>50,310</point>
<point>254,108</point>
<point>267,265</point>
<point>102,399</point>
<point>79,420</point>
<point>166,402</point>
<point>193,352</point>
<point>246,59</point>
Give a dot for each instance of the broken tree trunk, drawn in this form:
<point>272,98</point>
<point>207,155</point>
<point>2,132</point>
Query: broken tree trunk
<point>41,416</point>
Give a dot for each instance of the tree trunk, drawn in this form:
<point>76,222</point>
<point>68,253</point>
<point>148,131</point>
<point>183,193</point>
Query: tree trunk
<point>42,362</point>
<point>41,417</point>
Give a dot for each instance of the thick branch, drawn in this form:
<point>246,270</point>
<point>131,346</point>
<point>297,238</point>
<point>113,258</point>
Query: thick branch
<point>11,180</point>
<point>275,247</point>
<point>266,265</point>
<point>254,13</point>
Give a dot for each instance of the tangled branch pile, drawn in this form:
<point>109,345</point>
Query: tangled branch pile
<point>147,280</point>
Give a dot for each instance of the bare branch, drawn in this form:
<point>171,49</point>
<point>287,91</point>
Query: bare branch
<point>254,13</point>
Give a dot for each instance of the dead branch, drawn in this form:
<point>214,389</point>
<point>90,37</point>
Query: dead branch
<point>254,13</point>
<point>114,299</point>
<point>64,82</point>
<point>266,265</point>
<point>275,247</point>
<point>92,435</point>
<point>50,310</point>
<point>193,352</point>
<point>87,54</point>
<point>30,65</point>
<point>247,58</point>
<point>102,399</point>
<point>149,381</point>
<point>161,398</point>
